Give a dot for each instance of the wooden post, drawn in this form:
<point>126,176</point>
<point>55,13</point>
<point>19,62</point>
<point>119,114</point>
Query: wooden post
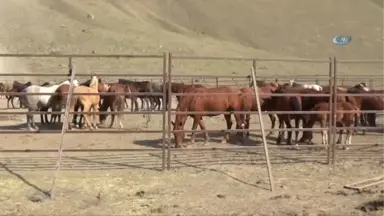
<point>269,169</point>
<point>63,130</point>
<point>217,82</point>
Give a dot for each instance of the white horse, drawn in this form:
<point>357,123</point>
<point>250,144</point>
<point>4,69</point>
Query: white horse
<point>39,102</point>
<point>316,87</point>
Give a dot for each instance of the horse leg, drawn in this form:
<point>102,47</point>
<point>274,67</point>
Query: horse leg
<point>13,105</point>
<point>202,127</point>
<point>29,121</point>
<point>324,133</point>
<point>288,123</point>
<point>134,101</point>
<point>87,108</point>
<point>281,126</point>
<point>340,133</point>
<point>113,108</point>
<point>196,120</point>
<point>46,116</point>
<point>120,107</point>
<point>8,100</point>
<point>297,125</point>
<point>126,103</point>
<point>94,115</point>
<point>20,103</point>
<point>229,126</point>
<point>247,121</point>
<point>272,117</point>
<point>348,138</point>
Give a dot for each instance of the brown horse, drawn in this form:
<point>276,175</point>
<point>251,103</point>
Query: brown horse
<point>87,101</point>
<point>2,89</point>
<point>343,119</point>
<point>114,102</point>
<point>202,103</point>
<point>179,88</point>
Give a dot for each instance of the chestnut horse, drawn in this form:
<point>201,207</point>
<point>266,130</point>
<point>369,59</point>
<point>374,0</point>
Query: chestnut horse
<point>200,103</point>
<point>87,101</point>
<point>343,119</point>
<point>114,102</point>
<point>179,88</point>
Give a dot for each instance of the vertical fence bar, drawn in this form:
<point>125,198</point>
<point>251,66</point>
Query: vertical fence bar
<point>169,110</point>
<point>164,111</point>
<point>330,108</point>
<point>334,110</point>
<point>254,65</point>
<point>63,130</point>
<point>217,82</point>
<point>261,122</point>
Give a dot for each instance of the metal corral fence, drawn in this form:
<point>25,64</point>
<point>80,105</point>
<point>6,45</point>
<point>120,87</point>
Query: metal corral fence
<point>214,80</point>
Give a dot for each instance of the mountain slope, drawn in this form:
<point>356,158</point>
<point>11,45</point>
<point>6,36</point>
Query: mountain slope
<point>242,28</point>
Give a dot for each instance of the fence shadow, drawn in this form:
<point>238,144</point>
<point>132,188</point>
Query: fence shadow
<point>21,178</point>
<point>112,163</point>
<point>23,127</point>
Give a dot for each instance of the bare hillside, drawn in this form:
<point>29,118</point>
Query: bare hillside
<point>260,28</point>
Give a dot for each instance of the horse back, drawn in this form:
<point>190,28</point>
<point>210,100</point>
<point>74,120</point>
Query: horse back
<point>210,102</point>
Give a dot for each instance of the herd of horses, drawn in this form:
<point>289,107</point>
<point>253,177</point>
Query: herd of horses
<point>201,100</point>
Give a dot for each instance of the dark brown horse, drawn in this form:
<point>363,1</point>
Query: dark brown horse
<point>114,102</point>
<point>250,104</point>
<point>293,103</point>
<point>204,103</point>
<point>140,87</point>
<point>17,87</point>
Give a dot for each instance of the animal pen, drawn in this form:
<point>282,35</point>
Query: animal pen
<point>329,156</point>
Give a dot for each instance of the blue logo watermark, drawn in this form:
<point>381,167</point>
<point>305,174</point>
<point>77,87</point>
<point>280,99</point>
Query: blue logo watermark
<point>342,40</point>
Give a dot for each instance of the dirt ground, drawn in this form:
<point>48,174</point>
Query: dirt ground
<point>211,181</point>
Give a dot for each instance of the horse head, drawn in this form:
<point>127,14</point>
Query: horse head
<point>94,82</point>
<point>362,86</point>
<point>179,123</point>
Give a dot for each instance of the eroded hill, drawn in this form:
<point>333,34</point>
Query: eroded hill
<point>260,28</point>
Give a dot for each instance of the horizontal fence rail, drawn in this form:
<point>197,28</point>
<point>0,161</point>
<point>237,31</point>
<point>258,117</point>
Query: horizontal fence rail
<point>332,82</point>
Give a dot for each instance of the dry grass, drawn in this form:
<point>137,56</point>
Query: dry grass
<point>301,189</point>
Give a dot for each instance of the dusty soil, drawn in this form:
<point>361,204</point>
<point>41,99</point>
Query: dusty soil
<point>210,181</point>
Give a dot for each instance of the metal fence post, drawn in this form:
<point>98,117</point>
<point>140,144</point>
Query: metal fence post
<point>330,116</point>
<point>164,109</point>
<point>334,110</point>
<point>169,110</point>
